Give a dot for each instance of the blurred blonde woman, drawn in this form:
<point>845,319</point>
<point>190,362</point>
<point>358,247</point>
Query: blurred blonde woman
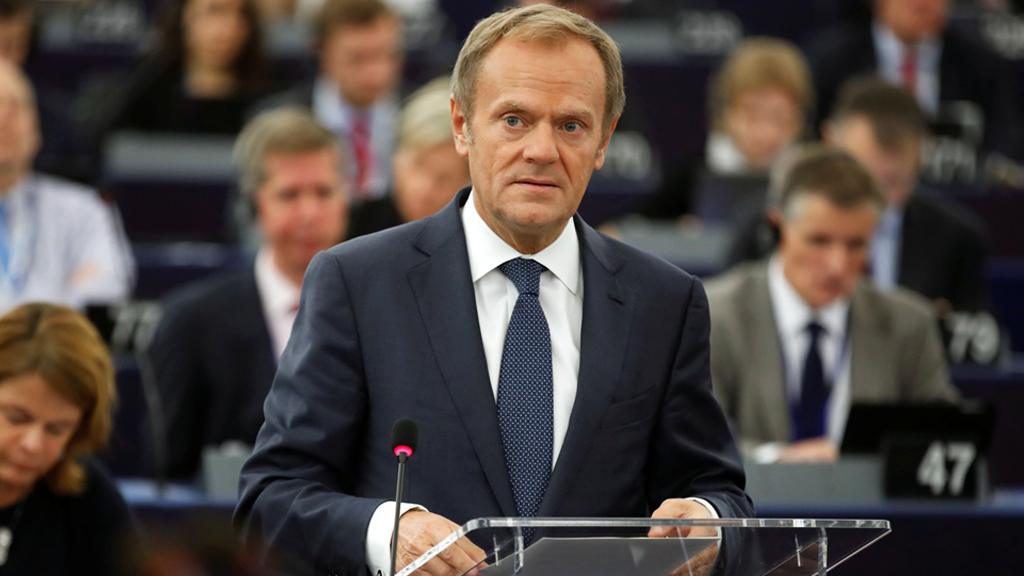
<point>758,103</point>
<point>59,514</point>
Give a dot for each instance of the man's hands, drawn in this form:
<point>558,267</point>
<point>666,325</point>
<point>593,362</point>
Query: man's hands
<point>681,508</point>
<point>419,531</point>
<point>703,562</point>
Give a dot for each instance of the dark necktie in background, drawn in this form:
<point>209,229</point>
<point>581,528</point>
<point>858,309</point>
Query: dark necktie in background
<point>809,412</point>
<point>525,391</point>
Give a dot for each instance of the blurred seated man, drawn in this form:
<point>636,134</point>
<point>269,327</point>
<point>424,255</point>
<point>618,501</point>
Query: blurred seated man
<point>758,104</point>
<point>910,43</point>
<point>216,349</point>
<point>798,338</point>
<point>359,44</point>
<point>427,169</point>
<point>921,243</point>
<point>58,241</point>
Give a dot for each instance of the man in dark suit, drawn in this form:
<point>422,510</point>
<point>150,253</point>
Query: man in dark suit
<point>911,44</point>
<point>532,399</point>
<point>217,345</point>
<point>921,243</point>
<point>359,50</point>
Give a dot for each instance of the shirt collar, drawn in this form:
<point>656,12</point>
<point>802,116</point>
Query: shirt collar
<point>891,48</point>
<point>17,195</point>
<point>330,107</point>
<point>278,293</point>
<point>792,314</point>
<point>487,250</point>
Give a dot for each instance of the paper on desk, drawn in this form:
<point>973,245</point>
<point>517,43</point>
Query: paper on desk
<point>603,556</point>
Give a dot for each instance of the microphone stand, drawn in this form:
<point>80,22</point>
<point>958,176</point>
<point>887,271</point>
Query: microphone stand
<point>399,489</point>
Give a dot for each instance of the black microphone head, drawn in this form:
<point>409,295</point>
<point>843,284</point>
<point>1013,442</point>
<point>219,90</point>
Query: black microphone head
<point>403,437</point>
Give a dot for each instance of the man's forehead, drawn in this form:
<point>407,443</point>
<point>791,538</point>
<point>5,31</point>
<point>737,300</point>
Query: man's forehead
<point>514,67</point>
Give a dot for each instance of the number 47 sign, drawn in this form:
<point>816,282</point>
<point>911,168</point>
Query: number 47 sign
<point>920,468</point>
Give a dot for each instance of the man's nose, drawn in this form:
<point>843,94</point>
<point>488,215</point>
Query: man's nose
<point>837,260</point>
<point>540,144</point>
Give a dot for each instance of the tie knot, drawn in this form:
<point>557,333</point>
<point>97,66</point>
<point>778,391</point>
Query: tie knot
<point>815,329</point>
<point>525,274</point>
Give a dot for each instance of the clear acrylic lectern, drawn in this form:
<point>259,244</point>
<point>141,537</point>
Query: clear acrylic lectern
<point>620,547</point>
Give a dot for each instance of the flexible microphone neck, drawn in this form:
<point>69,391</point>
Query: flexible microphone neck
<point>403,445</point>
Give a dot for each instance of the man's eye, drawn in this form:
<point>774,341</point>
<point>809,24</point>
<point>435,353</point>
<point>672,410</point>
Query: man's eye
<point>512,121</point>
<point>571,127</point>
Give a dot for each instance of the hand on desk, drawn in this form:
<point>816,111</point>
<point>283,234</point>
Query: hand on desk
<point>681,508</point>
<point>813,450</point>
<point>704,561</point>
<point>419,531</point>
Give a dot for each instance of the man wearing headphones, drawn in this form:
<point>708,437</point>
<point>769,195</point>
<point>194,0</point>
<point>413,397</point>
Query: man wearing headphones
<point>216,348</point>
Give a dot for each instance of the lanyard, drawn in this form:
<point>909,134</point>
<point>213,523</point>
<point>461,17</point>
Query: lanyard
<point>22,238</point>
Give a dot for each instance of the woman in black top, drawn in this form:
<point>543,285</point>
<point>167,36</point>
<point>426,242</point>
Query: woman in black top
<point>208,70</point>
<point>58,513</point>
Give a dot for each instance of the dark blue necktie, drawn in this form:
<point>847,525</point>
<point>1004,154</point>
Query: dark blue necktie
<point>525,397</point>
<point>809,413</point>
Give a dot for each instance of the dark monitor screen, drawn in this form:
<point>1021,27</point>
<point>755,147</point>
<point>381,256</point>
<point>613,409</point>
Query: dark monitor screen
<point>869,425</point>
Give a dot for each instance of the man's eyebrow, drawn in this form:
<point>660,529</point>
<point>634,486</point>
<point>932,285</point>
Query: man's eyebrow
<point>504,106</point>
<point>515,107</point>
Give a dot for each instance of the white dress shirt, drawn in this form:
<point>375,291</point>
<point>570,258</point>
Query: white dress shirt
<point>338,115</point>
<point>279,298</point>
<point>561,298</point>
<point>890,49</point>
<point>65,246</point>
<point>792,315</point>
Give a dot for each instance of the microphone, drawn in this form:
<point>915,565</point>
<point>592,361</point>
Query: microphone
<point>403,445</point>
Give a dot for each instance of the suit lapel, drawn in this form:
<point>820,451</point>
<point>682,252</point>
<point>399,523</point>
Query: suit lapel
<point>868,347</point>
<point>606,320</point>
<point>446,301</point>
<point>765,364</point>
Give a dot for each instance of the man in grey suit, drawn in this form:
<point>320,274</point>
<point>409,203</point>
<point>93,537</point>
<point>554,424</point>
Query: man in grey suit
<point>797,339</point>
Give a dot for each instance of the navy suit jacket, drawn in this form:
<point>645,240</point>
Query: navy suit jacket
<point>388,329</point>
<point>213,362</point>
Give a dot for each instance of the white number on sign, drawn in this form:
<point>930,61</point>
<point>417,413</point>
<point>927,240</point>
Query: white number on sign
<point>933,471</point>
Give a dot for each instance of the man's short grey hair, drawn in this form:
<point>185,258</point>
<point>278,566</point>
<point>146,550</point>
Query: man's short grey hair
<point>825,171</point>
<point>544,23</point>
<point>288,130</point>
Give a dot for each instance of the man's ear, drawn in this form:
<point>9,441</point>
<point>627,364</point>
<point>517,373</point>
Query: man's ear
<point>599,158</point>
<point>460,128</point>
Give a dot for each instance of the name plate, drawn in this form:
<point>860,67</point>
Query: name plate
<point>931,467</point>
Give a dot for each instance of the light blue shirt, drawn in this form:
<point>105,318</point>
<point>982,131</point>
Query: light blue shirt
<point>890,52</point>
<point>885,248</point>
<point>63,246</point>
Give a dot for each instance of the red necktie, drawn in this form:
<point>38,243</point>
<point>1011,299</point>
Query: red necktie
<point>908,69</point>
<point>363,151</point>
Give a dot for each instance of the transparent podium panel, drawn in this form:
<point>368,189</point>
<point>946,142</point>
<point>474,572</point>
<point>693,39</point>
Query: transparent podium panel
<point>624,547</point>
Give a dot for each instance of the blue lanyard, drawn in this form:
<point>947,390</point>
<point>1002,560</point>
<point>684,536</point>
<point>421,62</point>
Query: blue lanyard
<point>20,259</point>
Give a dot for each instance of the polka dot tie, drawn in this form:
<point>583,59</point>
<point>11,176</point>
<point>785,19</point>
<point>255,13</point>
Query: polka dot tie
<point>525,402</point>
